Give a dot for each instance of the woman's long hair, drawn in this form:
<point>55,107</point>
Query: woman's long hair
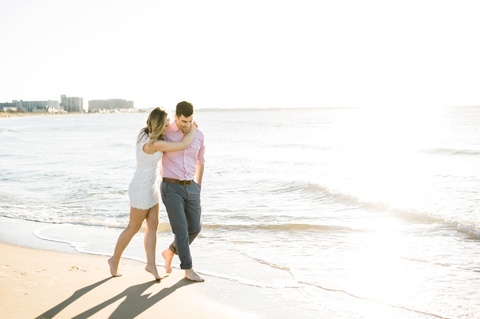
<point>157,119</point>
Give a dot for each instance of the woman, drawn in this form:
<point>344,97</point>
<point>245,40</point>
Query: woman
<point>143,190</point>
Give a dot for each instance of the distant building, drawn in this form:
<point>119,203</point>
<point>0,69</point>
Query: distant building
<point>7,107</point>
<point>71,104</point>
<point>109,105</point>
<point>35,106</point>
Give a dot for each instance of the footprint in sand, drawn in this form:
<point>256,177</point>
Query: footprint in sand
<point>75,268</point>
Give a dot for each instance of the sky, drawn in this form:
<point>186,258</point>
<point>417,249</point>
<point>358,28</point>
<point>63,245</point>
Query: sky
<point>248,53</point>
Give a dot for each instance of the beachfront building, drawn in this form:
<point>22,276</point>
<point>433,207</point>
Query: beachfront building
<point>7,107</point>
<point>71,104</point>
<point>35,106</point>
<point>109,106</point>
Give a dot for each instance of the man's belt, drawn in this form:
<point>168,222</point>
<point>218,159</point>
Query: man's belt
<point>177,181</point>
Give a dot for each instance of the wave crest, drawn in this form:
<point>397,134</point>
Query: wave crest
<point>452,151</point>
<point>470,230</point>
<point>289,227</point>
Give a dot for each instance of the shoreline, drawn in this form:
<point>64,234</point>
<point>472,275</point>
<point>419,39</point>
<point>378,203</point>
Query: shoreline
<point>47,279</point>
<point>35,114</point>
<point>50,284</point>
<point>4,115</point>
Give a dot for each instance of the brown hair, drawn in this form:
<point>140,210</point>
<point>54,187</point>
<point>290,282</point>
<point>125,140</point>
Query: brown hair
<point>184,108</point>
<point>156,121</point>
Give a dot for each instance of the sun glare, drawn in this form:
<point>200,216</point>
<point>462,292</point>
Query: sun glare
<point>383,153</point>
<point>376,270</point>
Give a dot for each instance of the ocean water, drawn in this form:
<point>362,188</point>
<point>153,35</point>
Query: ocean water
<point>330,212</point>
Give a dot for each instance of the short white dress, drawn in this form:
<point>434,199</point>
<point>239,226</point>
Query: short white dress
<point>143,189</point>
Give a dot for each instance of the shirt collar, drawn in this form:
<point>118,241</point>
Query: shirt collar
<point>174,127</point>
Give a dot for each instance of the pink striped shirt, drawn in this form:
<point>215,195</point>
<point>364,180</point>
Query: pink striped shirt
<point>182,164</point>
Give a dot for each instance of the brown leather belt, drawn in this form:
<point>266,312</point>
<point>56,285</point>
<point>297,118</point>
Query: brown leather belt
<point>177,181</point>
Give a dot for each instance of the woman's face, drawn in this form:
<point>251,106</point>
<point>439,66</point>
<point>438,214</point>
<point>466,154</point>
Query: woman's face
<point>167,124</point>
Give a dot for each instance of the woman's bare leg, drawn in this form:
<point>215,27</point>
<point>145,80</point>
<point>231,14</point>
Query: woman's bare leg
<point>137,216</point>
<point>150,241</point>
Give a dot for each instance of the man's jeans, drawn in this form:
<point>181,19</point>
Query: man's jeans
<point>184,212</point>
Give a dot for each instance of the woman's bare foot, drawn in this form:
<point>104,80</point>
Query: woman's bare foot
<point>190,274</point>
<point>113,267</point>
<point>167,254</point>
<point>153,271</point>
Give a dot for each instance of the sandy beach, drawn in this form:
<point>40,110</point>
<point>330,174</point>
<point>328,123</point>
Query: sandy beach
<point>48,284</point>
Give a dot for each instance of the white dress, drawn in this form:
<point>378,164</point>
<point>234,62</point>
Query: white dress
<point>143,189</point>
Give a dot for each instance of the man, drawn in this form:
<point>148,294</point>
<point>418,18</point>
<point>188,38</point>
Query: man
<point>182,173</point>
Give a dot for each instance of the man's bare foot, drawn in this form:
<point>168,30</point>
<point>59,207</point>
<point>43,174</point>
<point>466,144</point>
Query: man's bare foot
<point>113,267</point>
<point>167,254</point>
<point>190,274</point>
<point>153,271</point>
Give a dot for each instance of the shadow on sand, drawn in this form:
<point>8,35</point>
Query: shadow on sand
<point>134,304</point>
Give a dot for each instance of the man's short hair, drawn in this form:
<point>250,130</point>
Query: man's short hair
<point>184,108</point>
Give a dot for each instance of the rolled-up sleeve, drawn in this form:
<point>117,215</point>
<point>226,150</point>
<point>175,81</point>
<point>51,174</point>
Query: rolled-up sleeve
<point>201,152</point>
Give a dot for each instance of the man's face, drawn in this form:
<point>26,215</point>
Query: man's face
<point>184,123</point>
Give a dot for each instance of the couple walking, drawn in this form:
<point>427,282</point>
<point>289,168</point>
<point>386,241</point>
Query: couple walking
<point>180,149</point>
